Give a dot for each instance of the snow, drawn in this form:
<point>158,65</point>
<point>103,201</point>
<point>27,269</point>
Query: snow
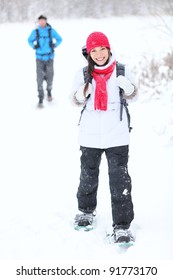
<point>40,158</point>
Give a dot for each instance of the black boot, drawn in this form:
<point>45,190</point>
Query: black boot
<point>49,95</point>
<point>84,219</point>
<point>40,103</point>
<point>122,235</point>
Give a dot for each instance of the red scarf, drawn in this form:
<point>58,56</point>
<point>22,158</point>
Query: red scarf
<point>101,96</point>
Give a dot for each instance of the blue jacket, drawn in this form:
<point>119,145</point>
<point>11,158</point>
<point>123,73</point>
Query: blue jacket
<point>44,50</point>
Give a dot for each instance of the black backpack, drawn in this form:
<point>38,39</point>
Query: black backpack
<point>50,38</point>
<point>120,70</point>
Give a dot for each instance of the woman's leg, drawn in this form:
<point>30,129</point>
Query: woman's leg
<point>120,186</point>
<point>87,191</point>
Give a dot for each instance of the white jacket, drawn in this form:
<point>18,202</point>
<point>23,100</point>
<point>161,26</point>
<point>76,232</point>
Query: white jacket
<point>102,129</point>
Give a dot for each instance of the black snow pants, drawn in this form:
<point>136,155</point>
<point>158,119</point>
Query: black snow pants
<point>45,72</point>
<point>119,182</point>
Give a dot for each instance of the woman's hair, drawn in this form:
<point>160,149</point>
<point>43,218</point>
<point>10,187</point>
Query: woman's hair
<point>90,70</point>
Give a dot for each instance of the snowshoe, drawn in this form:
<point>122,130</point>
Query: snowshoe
<point>123,237</point>
<point>84,221</point>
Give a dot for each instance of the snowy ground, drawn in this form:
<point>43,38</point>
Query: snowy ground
<point>39,153</point>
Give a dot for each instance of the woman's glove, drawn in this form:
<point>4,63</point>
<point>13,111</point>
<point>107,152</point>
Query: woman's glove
<point>125,84</point>
<point>80,93</point>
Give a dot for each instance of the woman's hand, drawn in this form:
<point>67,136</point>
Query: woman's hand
<point>80,93</point>
<point>125,84</point>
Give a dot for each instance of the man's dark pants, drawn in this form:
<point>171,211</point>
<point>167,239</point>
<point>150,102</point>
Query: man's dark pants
<point>45,71</point>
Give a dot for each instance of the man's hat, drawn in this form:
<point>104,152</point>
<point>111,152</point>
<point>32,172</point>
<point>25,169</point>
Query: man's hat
<point>42,17</point>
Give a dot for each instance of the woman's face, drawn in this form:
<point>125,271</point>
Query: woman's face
<point>99,55</point>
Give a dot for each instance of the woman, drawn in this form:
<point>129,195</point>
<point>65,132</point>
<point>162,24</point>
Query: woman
<point>102,130</point>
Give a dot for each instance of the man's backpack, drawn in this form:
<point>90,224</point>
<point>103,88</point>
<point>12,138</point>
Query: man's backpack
<point>120,70</point>
<point>50,38</point>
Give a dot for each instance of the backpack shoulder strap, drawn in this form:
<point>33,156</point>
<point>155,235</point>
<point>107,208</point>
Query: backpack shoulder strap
<point>120,70</point>
<point>37,36</point>
<point>85,73</point>
<point>37,33</point>
<point>86,76</point>
<point>50,33</point>
<point>50,37</point>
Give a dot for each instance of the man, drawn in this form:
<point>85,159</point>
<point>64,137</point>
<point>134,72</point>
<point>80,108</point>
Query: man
<point>44,39</point>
